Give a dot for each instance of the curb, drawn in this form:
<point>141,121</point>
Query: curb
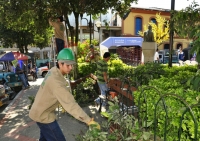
<point>12,103</point>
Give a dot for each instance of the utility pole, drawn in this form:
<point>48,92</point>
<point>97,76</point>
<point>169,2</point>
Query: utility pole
<point>90,26</point>
<point>171,33</point>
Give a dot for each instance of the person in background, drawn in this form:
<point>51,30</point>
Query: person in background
<point>102,79</point>
<point>193,57</point>
<point>20,72</point>
<point>59,29</point>
<point>25,69</point>
<point>29,66</point>
<point>52,92</point>
<point>11,68</point>
<point>33,72</point>
<point>178,51</point>
<point>93,55</point>
<point>181,57</point>
<point>156,56</point>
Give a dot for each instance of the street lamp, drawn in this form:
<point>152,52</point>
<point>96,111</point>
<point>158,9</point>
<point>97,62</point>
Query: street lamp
<point>98,25</point>
<point>89,24</point>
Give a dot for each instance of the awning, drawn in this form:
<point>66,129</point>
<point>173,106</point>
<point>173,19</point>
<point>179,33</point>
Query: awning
<point>10,56</point>
<point>122,41</point>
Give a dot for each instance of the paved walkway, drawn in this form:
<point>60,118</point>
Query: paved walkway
<point>17,126</point>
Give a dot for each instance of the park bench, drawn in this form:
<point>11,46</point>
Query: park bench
<point>123,91</point>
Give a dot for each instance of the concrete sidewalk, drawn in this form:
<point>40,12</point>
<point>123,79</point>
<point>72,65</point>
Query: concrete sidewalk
<point>17,126</point>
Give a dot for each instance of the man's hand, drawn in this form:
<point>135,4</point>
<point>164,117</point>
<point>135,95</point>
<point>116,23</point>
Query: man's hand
<point>96,125</point>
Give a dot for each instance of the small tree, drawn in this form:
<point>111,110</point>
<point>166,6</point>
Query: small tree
<point>160,29</point>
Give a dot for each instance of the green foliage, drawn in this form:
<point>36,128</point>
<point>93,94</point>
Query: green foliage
<point>31,98</point>
<point>144,73</point>
<point>186,24</point>
<point>117,68</point>
<point>27,23</point>
<point>83,49</point>
<point>85,92</point>
<point>194,81</point>
<point>121,127</point>
<point>173,82</point>
<point>162,81</point>
<point>86,68</point>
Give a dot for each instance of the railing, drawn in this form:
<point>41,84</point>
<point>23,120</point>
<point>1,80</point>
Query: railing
<point>160,112</point>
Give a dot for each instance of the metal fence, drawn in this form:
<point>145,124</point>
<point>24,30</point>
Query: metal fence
<point>159,113</point>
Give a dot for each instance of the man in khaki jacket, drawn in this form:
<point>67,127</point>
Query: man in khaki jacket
<point>53,91</point>
<point>93,55</point>
<point>59,30</point>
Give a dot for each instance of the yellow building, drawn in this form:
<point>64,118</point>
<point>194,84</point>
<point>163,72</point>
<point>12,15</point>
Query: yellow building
<point>138,17</point>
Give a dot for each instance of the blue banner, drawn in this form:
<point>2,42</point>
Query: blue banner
<point>122,41</point>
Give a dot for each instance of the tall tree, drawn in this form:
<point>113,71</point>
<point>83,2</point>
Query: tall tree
<point>24,14</point>
<point>19,16</point>
<point>160,29</point>
<point>186,24</point>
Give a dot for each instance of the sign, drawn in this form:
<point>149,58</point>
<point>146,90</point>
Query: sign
<point>14,62</point>
<point>122,41</point>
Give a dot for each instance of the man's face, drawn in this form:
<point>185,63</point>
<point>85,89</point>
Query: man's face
<point>65,68</point>
<point>92,49</point>
<point>107,59</point>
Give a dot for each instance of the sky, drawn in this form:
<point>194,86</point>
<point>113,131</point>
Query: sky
<point>166,4</point>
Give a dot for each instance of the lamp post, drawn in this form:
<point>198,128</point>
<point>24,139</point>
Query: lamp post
<point>89,24</point>
<point>171,33</point>
<point>98,25</point>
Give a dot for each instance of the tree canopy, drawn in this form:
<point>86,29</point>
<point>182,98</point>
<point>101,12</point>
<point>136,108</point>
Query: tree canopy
<point>186,24</point>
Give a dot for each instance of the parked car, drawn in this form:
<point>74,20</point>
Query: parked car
<point>11,94</point>
<point>42,71</point>
<point>9,79</point>
<point>3,96</point>
<point>12,80</point>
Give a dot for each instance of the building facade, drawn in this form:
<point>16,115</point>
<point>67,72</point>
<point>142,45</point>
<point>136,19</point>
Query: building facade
<point>138,17</point>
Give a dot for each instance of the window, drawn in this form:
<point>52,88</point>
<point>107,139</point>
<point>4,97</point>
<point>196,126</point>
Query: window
<point>166,46</point>
<point>138,25</point>
<point>153,20</point>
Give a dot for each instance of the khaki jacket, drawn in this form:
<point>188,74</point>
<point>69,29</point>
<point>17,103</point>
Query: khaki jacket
<point>59,29</point>
<point>53,91</point>
<point>92,56</point>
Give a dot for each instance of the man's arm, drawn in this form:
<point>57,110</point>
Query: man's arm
<point>51,21</point>
<point>105,77</point>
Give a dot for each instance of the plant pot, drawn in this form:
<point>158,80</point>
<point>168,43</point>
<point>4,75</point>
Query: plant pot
<point>113,94</point>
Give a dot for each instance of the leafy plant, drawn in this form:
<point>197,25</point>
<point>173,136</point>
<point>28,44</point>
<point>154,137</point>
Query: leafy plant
<point>31,98</point>
<point>194,81</point>
<point>86,68</point>
<point>118,127</point>
<point>170,82</point>
<point>85,92</point>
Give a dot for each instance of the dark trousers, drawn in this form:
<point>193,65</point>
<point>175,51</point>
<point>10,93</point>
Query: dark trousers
<point>50,132</point>
<point>23,79</point>
<point>26,78</point>
<point>59,44</point>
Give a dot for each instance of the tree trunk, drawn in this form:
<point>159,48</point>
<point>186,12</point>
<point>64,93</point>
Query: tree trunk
<point>71,44</point>
<point>26,48</point>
